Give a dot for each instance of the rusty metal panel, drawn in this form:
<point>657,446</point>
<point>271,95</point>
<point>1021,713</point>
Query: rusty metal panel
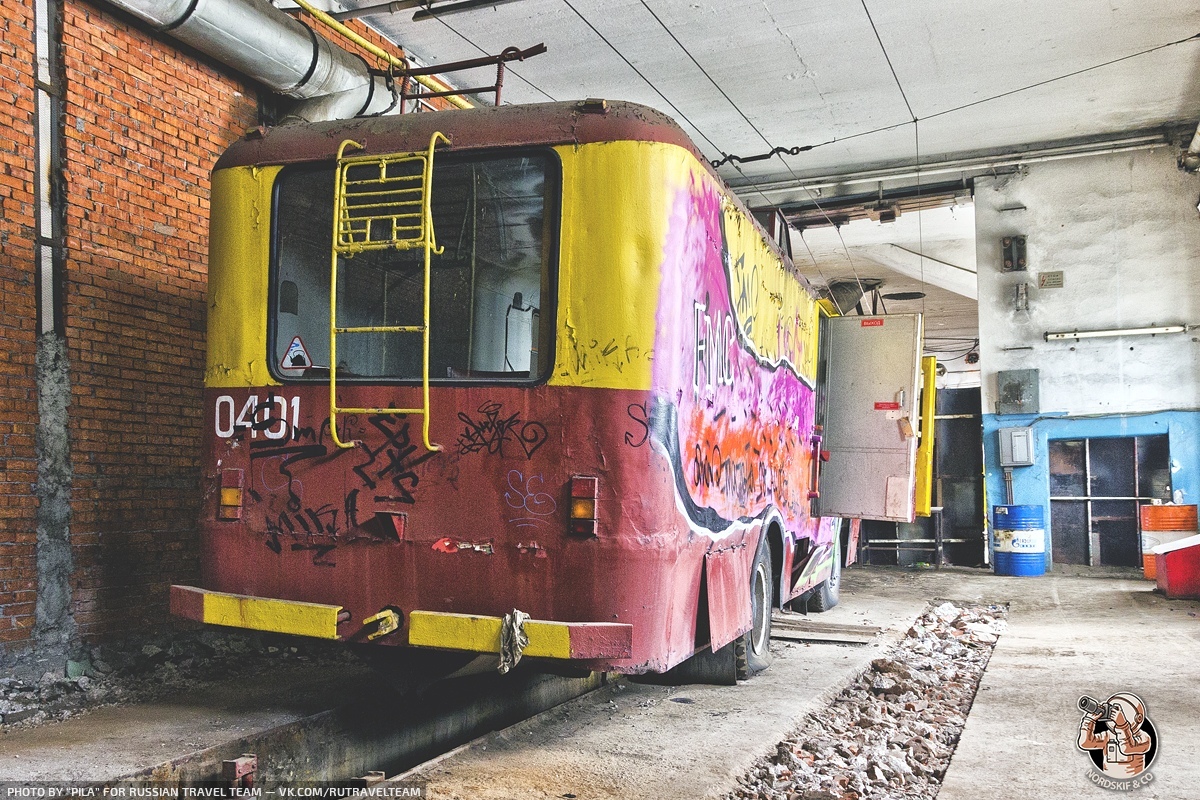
<point>685,471</point>
<point>479,528</point>
<point>1017,391</point>
<point>727,572</point>
<point>506,126</point>
<point>851,553</point>
<point>871,372</point>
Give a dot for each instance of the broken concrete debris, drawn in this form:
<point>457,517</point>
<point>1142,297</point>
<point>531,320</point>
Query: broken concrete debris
<point>890,734</point>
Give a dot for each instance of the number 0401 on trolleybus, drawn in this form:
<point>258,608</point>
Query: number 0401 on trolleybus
<point>528,381</point>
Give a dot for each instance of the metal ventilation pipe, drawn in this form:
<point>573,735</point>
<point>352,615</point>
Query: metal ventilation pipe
<point>265,44</point>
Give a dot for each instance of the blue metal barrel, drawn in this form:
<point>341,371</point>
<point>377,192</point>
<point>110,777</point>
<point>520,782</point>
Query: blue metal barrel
<point>1019,540</point>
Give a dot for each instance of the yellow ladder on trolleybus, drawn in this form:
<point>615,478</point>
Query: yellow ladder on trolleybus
<point>382,203</point>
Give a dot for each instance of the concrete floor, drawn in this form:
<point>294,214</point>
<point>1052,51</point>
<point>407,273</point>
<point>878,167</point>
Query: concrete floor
<point>1068,636</point>
<point>121,740</point>
<point>633,740</point>
<point>113,741</point>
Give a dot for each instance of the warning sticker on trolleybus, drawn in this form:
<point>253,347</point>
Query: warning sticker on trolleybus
<point>296,356</point>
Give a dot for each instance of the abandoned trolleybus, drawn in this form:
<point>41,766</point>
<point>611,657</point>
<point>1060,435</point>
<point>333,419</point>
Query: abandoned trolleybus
<point>527,380</point>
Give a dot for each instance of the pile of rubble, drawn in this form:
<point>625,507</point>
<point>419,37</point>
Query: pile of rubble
<point>890,734</point>
<point>141,669</point>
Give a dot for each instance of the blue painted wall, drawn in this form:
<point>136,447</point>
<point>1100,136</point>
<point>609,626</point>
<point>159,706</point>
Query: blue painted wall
<point>1031,485</point>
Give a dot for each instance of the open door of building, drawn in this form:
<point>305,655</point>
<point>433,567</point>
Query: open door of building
<point>868,387</point>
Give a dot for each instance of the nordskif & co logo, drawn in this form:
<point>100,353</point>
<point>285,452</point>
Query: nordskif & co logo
<point>1119,739</point>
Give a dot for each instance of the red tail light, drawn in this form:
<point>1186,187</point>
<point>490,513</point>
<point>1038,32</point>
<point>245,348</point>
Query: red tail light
<point>585,489</point>
<point>232,481</point>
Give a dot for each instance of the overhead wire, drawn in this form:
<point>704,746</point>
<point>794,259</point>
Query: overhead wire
<point>716,85</point>
<point>705,72</point>
<point>920,210</point>
<point>641,75</point>
<point>916,148</point>
<point>1147,51</point>
<point>712,144</point>
<point>812,257</point>
<point>676,109</point>
<point>991,98</point>
<point>726,159</point>
<point>888,59</point>
<point>845,248</point>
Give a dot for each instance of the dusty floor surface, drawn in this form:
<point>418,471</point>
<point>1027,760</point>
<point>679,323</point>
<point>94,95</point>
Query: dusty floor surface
<point>163,712</point>
<point>638,741</point>
<point>1067,636</point>
<point>890,734</point>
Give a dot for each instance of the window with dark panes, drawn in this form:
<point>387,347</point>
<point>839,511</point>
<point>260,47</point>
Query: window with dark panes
<point>491,304</point>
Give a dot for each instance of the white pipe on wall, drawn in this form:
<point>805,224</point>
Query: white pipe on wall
<point>265,44</point>
<point>981,164</point>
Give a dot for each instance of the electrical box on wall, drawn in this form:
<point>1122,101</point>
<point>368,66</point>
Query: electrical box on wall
<point>1014,254</point>
<point>1016,447</point>
<point>1017,391</point>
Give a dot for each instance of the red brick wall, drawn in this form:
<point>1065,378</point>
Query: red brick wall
<point>145,122</point>
<point>18,325</point>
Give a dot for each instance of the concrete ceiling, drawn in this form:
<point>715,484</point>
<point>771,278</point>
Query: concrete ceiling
<point>849,76</point>
<point>868,251</point>
<point>743,77</point>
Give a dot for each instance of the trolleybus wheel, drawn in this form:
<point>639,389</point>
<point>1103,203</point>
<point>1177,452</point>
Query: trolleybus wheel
<point>752,650</point>
<point>826,595</point>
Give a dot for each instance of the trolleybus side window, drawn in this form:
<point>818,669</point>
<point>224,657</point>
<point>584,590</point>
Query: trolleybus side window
<point>491,314</point>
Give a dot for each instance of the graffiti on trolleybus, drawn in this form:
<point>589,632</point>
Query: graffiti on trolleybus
<point>741,424</point>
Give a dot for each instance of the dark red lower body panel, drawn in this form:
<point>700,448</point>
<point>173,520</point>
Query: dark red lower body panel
<point>481,527</point>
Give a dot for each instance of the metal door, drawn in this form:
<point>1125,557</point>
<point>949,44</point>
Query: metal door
<point>868,388</point>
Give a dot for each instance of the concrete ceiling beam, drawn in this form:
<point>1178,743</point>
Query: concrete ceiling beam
<point>926,269</point>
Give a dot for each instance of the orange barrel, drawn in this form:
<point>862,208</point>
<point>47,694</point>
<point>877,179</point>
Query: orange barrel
<point>1164,525</point>
<point>1169,518</point>
<point>1151,540</point>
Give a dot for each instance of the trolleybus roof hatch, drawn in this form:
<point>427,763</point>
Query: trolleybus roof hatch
<point>868,404</point>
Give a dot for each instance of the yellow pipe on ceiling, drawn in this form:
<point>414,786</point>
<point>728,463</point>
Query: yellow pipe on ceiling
<point>428,81</point>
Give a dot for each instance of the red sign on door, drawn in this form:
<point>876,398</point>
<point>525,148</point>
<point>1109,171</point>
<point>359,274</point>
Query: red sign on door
<point>872,323</point>
<point>887,406</point>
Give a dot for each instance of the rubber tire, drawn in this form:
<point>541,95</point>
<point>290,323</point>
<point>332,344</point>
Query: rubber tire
<point>752,650</point>
<point>827,593</point>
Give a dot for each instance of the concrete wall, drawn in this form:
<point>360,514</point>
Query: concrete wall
<point>1124,230</point>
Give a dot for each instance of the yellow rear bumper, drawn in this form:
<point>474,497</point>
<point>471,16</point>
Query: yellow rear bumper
<point>481,634</point>
<point>444,631</point>
<point>256,613</point>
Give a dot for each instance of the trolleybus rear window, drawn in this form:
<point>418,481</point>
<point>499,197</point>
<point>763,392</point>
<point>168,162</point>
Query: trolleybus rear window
<point>491,302</point>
